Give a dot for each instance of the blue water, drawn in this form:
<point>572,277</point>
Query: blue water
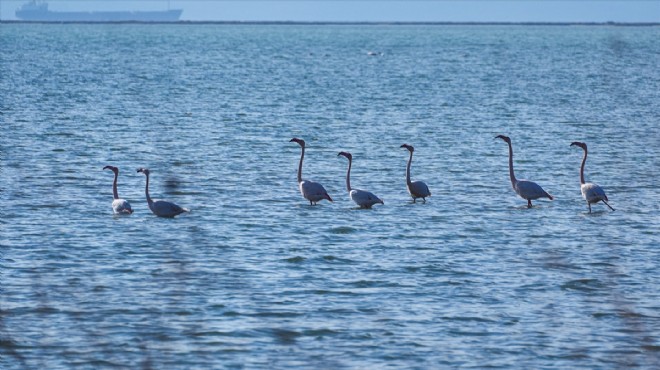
<point>254,277</point>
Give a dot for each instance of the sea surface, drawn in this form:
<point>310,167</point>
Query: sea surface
<point>256,278</point>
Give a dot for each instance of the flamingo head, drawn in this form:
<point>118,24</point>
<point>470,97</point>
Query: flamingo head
<point>112,168</point>
<point>347,155</point>
<point>580,144</point>
<point>505,138</point>
<point>300,142</point>
<point>143,170</point>
<point>409,147</point>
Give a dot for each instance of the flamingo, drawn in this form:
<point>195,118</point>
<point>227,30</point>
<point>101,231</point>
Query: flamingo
<point>591,192</point>
<point>362,198</point>
<point>161,208</point>
<point>524,188</point>
<point>417,189</point>
<point>310,190</point>
<point>119,206</point>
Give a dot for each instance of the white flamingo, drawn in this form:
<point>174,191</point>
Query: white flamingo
<point>159,207</point>
<point>591,192</point>
<point>362,198</point>
<point>417,189</point>
<point>310,190</point>
<point>526,189</point>
<point>119,206</point>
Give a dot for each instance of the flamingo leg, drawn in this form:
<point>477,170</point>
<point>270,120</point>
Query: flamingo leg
<point>414,200</point>
<point>608,205</point>
<point>529,203</point>
<point>589,204</point>
<point>424,199</point>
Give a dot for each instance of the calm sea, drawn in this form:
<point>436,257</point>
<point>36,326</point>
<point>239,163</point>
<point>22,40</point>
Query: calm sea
<point>254,277</point>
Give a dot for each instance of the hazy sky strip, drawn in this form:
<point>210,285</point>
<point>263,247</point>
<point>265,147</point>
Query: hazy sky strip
<point>376,10</point>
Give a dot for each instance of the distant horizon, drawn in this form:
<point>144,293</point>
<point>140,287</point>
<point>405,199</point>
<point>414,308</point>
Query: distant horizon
<point>377,11</point>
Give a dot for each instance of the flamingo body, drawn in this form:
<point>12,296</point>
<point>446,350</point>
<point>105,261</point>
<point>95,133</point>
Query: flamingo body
<point>119,206</point>
<point>310,190</point>
<point>363,198</point>
<point>313,191</point>
<point>528,190</point>
<point>591,192</point>
<point>161,208</point>
<point>418,189</point>
<point>164,208</point>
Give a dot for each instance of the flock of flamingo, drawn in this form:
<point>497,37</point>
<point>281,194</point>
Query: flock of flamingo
<point>315,192</point>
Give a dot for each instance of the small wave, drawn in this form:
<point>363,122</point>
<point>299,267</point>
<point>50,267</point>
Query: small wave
<point>585,285</point>
<point>276,314</point>
<point>213,333</point>
<point>329,292</point>
<point>8,344</point>
<point>468,319</point>
<point>285,336</point>
<point>343,230</point>
<point>463,333</point>
<point>365,284</point>
<point>333,259</point>
<point>319,333</point>
<point>40,206</point>
<point>296,259</point>
<point>651,348</point>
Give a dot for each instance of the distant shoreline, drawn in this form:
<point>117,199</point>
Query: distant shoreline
<point>324,23</point>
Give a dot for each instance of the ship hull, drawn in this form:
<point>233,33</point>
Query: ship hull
<point>119,16</point>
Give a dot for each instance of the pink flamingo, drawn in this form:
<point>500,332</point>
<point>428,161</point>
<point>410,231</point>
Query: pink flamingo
<point>362,198</point>
<point>591,192</point>
<point>119,206</point>
<point>310,190</point>
<point>526,189</point>
<point>161,208</point>
<point>417,189</point>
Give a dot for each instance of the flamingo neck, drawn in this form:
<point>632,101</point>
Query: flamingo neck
<point>115,194</point>
<point>408,169</point>
<point>348,175</point>
<point>302,155</point>
<point>511,174</point>
<point>584,160</point>
<point>146,191</point>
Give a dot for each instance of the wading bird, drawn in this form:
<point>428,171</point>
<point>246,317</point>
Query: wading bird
<point>161,208</point>
<point>526,189</point>
<point>362,198</point>
<point>310,190</point>
<point>591,192</point>
<point>119,206</point>
<point>417,189</point>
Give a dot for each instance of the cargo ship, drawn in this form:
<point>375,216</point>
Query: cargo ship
<point>37,11</point>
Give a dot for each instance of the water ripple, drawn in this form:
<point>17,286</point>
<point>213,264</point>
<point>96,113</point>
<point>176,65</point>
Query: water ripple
<point>255,277</point>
